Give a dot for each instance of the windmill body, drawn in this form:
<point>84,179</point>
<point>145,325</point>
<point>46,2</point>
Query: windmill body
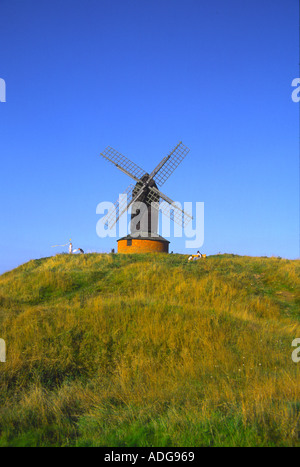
<point>147,217</point>
<point>145,199</point>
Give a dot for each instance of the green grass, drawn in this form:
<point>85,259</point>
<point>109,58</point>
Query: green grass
<point>150,350</point>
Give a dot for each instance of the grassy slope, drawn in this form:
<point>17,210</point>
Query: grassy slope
<point>144,350</point>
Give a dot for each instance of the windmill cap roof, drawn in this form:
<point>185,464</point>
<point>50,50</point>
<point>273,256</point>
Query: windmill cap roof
<point>145,236</point>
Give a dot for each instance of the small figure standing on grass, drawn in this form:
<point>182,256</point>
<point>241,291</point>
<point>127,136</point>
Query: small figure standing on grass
<point>70,248</point>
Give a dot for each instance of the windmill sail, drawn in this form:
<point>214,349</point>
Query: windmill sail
<point>146,190</point>
<point>175,213</point>
<point>172,162</point>
<point>118,208</point>
<point>123,163</point>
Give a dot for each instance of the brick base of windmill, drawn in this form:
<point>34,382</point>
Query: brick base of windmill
<point>143,244</point>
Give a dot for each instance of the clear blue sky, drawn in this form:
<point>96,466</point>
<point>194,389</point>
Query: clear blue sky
<point>141,75</point>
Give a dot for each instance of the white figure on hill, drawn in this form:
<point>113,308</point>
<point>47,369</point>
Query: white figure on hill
<point>198,255</point>
<point>70,248</point>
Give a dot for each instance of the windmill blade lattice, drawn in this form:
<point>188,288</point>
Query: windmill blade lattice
<point>118,208</point>
<point>177,156</point>
<point>146,188</point>
<point>123,163</point>
<point>168,207</point>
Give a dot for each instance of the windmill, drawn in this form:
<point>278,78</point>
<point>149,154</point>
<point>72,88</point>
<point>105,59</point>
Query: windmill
<point>146,190</point>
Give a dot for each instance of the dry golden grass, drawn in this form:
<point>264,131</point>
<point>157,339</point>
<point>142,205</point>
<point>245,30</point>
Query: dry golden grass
<point>150,350</point>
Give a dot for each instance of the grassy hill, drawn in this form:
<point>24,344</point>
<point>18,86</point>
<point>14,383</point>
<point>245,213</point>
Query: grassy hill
<point>150,350</point>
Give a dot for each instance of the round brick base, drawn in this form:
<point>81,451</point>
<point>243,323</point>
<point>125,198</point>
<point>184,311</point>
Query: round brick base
<point>143,245</point>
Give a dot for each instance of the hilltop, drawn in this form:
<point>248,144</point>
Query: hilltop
<point>150,350</point>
